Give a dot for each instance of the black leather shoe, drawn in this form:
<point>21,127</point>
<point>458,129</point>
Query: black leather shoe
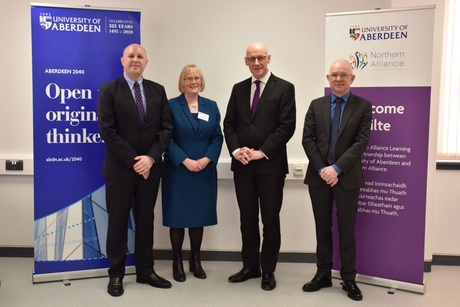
<point>244,275</point>
<point>115,287</point>
<point>154,280</point>
<point>268,281</point>
<point>352,290</point>
<point>318,282</point>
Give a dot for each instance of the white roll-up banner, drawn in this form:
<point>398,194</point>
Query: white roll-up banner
<point>391,54</point>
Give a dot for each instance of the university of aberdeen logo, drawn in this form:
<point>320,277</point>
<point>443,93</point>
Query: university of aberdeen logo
<point>46,20</point>
<point>355,32</point>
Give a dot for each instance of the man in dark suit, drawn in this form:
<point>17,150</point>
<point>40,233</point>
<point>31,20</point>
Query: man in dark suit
<point>256,133</point>
<point>135,124</point>
<point>334,172</point>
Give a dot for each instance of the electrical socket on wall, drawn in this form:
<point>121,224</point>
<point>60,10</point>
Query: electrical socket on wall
<point>14,165</point>
<point>299,170</point>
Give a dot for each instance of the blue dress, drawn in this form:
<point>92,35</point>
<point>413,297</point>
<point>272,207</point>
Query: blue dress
<point>189,199</point>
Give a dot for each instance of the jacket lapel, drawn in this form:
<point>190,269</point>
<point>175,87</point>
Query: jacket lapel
<point>271,83</point>
<point>326,110</point>
<point>349,108</point>
<point>149,101</point>
<point>246,97</point>
<point>129,97</point>
<point>186,111</point>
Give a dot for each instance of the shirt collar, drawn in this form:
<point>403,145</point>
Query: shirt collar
<point>131,81</point>
<point>344,97</point>
<point>264,79</point>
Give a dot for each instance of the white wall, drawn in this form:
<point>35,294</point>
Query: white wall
<point>214,35</point>
<point>443,215</point>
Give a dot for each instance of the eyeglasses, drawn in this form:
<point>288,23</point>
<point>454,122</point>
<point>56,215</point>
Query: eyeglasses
<point>190,79</point>
<point>260,58</point>
<point>341,75</point>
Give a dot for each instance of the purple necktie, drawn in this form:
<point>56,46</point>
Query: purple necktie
<point>139,104</point>
<point>255,99</point>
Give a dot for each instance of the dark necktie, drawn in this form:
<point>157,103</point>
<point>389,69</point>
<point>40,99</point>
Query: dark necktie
<point>335,125</point>
<point>255,99</point>
<point>139,104</point>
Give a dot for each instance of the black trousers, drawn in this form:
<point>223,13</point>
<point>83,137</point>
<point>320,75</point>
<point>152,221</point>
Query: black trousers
<point>121,195</point>
<point>347,204</point>
<point>264,192</point>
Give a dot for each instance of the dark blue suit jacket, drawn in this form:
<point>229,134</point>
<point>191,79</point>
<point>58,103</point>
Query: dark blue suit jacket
<point>351,143</point>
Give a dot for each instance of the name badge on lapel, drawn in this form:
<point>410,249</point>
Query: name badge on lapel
<point>203,116</point>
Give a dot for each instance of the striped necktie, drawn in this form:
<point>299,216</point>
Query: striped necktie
<point>139,104</point>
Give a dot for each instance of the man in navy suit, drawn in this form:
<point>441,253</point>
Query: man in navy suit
<point>256,133</point>
<point>334,172</point>
<point>135,137</point>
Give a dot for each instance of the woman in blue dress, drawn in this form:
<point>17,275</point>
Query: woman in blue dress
<point>189,184</point>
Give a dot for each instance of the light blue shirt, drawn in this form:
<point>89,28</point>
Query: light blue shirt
<point>131,86</point>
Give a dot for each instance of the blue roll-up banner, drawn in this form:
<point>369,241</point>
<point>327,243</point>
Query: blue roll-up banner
<point>74,51</point>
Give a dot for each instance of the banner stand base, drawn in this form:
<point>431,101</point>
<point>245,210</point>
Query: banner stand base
<point>67,276</point>
<point>393,285</point>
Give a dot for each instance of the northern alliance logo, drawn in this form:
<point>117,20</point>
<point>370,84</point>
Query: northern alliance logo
<point>358,60</point>
<point>378,60</point>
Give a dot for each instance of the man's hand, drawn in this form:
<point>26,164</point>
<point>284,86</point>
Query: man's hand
<point>146,174</point>
<point>256,155</point>
<point>329,175</point>
<point>143,165</point>
<point>243,155</point>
